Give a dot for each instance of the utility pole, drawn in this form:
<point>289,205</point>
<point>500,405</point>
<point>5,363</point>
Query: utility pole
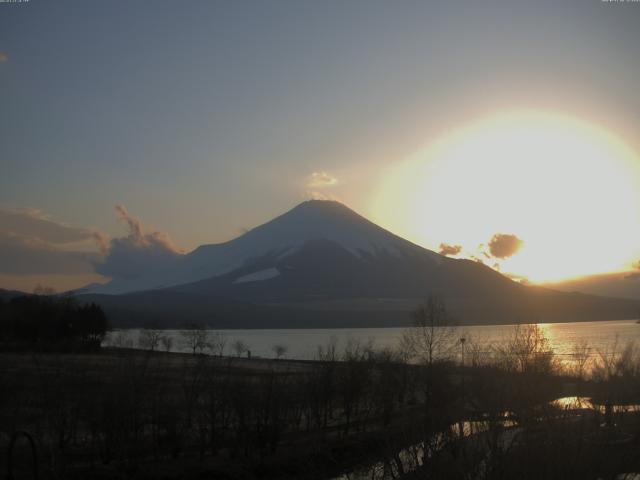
<point>461,423</point>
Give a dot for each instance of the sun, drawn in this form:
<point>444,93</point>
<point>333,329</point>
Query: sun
<point>569,189</point>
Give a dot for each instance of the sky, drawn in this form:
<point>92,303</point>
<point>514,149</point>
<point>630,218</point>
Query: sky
<point>200,119</point>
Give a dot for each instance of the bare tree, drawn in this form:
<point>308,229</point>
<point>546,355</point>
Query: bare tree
<point>217,343</point>
<point>120,339</point>
<point>581,356</point>
<point>432,337</point>
<point>195,338</point>
<point>167,342</point>
<point>328,352</point>
<point>474,353</point>
<point>527,351</point>
<point>615,362</point>
<point>239,347</point>
<point>149,339</point>
<point>279,350</point>
<point>359,350</point>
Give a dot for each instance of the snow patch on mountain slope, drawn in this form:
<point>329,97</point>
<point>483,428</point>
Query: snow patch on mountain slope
<point>258,276</point>
<point>277,239</point>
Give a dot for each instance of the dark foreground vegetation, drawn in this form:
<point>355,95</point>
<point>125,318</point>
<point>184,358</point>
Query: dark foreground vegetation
<point>49,323</point>
<point>354,413</point>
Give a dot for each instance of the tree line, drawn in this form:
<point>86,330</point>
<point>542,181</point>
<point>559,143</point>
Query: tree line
<point>48,323</point>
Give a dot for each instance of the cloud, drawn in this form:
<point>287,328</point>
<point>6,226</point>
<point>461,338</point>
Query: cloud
<point>29,255</point>
<point>481,251</point>
<point>500,247</point>
<point>518,278</point>
<point>102,239</point>
<point>33,243</point>
<point>449,250</point>
<point>138,253</point>
<point>504,245</point>
<point>35,223</point>
<point>139,238</point>
<point>4,57</point>
<point>314,195</point>
<point>321,180</point>
<point>136,233</point>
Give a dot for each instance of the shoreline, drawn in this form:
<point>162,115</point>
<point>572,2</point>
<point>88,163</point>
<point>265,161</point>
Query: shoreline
<point>383,327</point>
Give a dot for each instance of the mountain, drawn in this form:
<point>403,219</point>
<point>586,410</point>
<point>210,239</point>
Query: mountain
<point>318,249</point>
<point>323,250</point>
<point>323,264</point>
<point>9,294</point>
<point>621,285</point>
<point>311,222</point>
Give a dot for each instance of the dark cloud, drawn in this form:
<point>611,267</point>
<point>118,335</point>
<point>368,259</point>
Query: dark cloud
<point>504,245</point>
<point>138,253</point>
<point>24,255</point>
<point>449,250</point>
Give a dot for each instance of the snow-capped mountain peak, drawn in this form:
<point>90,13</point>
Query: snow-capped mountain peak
<point>310,221</point>
<point>318,220</point>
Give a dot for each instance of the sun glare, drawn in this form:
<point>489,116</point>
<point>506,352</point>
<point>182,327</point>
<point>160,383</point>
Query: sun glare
<point>570,190</point>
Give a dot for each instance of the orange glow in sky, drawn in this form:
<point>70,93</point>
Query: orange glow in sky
<point>569,189</point>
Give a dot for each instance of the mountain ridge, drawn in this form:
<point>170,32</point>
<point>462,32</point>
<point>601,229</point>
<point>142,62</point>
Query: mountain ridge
<point>322,264</point>
<point>308,221</point>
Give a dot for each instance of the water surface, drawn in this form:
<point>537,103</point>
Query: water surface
<point>303,343</point>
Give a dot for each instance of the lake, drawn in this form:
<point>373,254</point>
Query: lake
<point>303,343</point>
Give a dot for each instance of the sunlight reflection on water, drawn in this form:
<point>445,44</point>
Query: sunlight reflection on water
<point>586,403</point>
<point>303,343</point>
